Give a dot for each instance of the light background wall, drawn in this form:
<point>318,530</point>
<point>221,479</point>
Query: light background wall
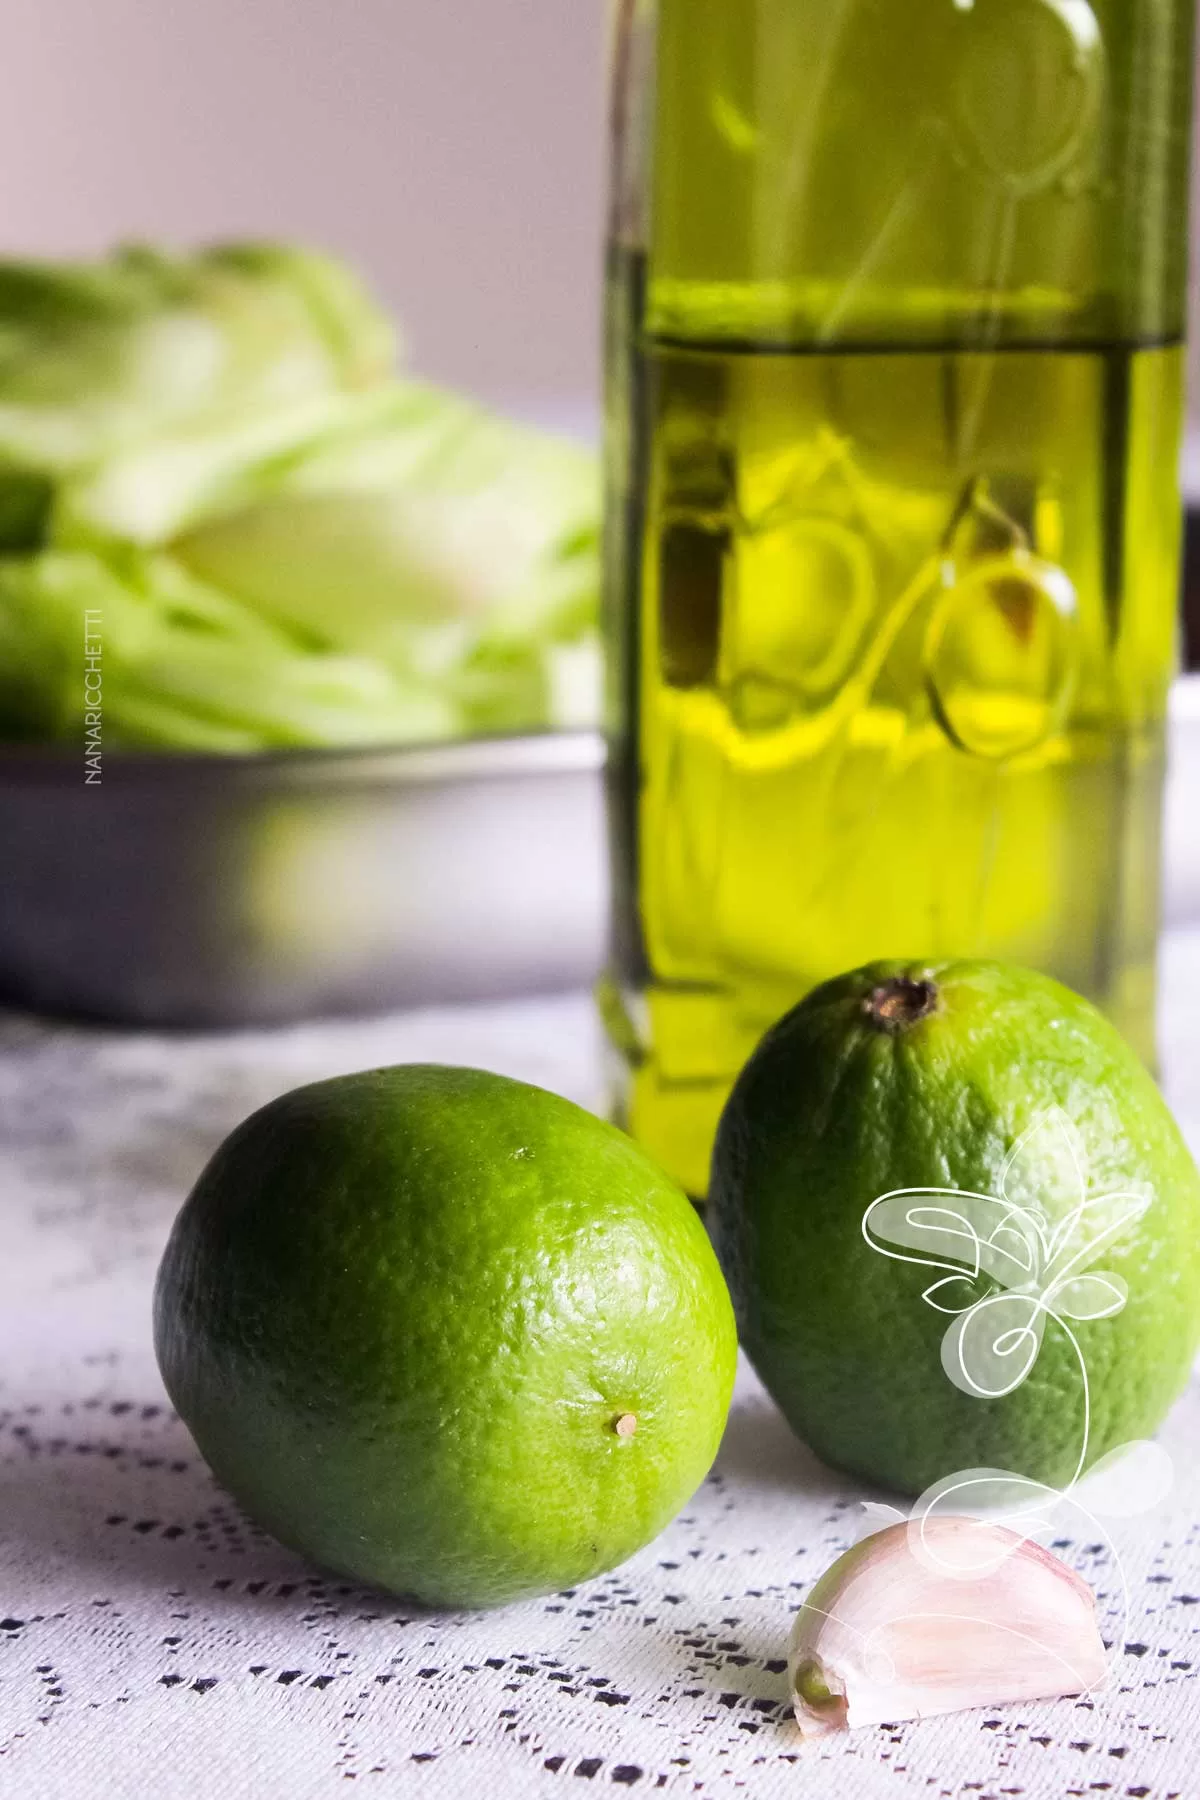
<point>452,148</point>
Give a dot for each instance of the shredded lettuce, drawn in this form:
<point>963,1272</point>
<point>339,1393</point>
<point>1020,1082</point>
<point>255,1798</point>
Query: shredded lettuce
<point>184,666</point>
<point>285,544</point>
<point>95,357</point>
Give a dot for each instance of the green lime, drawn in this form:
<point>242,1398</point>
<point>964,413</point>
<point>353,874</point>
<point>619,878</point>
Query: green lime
<point>446,1333</point>
<point>961,1228</point>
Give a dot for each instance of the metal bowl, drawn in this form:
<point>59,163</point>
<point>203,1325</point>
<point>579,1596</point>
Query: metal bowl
<point>212,891</point>
<point>216,891</point>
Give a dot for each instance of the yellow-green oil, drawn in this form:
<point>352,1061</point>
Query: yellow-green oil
<point>895,401</point>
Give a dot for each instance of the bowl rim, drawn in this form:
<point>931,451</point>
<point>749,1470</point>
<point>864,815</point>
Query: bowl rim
<point>457,760</point>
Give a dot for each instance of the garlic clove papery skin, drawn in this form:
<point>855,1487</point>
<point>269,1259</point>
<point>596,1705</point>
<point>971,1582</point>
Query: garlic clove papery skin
<point>937,1615</point>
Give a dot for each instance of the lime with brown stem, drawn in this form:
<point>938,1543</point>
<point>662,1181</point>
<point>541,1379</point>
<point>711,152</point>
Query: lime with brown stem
<point>960,1226</point>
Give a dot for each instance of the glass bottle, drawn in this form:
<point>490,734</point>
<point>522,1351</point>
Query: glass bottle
<point>896,296</point>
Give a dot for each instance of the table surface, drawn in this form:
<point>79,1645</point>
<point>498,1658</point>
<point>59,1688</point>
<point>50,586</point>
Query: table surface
<point>152,1641</point>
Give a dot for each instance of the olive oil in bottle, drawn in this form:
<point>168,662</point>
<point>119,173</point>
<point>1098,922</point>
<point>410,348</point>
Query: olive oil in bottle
<point>895,400</point>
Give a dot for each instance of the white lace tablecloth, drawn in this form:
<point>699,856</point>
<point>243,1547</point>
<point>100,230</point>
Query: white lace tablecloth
<point>154,1643</point>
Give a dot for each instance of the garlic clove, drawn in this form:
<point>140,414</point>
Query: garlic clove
<point>937,1615</point>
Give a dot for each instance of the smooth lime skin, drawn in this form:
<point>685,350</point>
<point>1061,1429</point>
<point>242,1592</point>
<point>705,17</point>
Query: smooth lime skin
<point>831,1112</point>
<point>403,1311</point>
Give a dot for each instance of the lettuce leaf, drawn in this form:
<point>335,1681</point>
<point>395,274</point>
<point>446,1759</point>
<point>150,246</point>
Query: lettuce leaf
<point>285,545</point>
